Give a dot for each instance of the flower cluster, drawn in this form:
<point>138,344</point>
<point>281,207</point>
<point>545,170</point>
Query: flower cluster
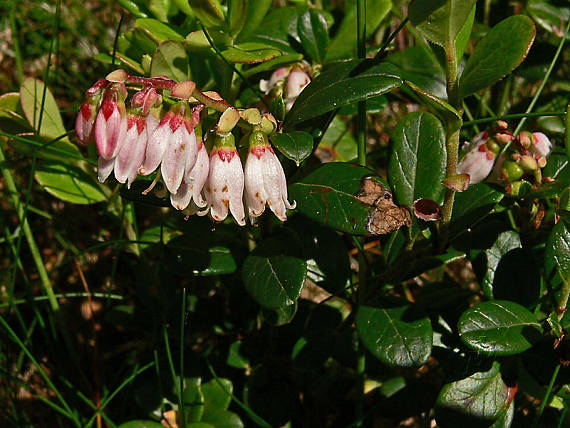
<point>519,164</point>
<point>139,138</point>
<point>286,82</point>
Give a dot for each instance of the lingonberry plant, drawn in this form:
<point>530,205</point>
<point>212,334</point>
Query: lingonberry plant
<point>388,274</point>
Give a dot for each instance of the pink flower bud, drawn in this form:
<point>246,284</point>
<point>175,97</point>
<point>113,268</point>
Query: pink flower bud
<point>131,155</point>
<point>265,180</point>
<point>111,123</point>
<point>278,75</point>
<point>84,124</point>
<point>296,82</point>
<point>224,187</point>
<point>542,145</point>
<point>478,161</point>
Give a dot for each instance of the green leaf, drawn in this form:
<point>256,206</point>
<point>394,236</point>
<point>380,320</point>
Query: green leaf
<point>200,425</point>
<point>497,54</point>
<point>157,30</point>
<point>485,264</point>
<point>170,59</point>
<point>209,12</point>
<point>343,45</point>
<point>217,397</point>
<point>199,255</point>
<point>49,150</point>
<point>464,35</point>
<point>193,400</point>
<point>250,53</point>
<point>340,85</point>
<point>392,337</point>
<point>223,419</point>
<point>313,31</point>
<point>272,64</point>
<point>296,145</point>
<point>141,424</point>
<point>68,183</point>
<point>499,327</point>
<point>237,12</point>
<point>418,161</point>
<point>327,196</point>
<point>273,274</point>
<point>280,316</point>
<point>419,65</point>
<point>477,400</point>
<point>557,254</point>
<point>31,96</point>
<point>472,206</point>
<point>236,359</point>
<point>256,11</point>
<point>440,21</point>
<point>338,141</point>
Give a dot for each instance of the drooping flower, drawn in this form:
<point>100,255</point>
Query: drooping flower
<point>224,186</point>
<point>265,181</point>
<point>111,122</point>
<point>478,159</point>
<point>541,144</point>
<point>85,122</point>
<point>296,82</point>
<point>131,155</point>
<point>172,145</point>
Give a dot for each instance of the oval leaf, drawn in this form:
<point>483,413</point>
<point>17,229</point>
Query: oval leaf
<point>250,53</point>
<point>170,59</point>
<point>393,339</point>
<point>477,400</point>
<point>296,146</point>
<point>418,161</point>
<point>313,31</point>
<point>497,54</point>
<point>31,97</point>
<point>273,275</point>
<point>157,30</point>
<point>217,397</point>
<point>68,183</point>
<point>327,196</point>
<point>557,255</point>
<point>342,84</point>
<point>209,12</point>
<point>499,328</point>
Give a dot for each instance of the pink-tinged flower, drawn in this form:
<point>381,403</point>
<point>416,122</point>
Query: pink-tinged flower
<point>173,144</point>
<point>265,181</point>
<point>278,75</point>
<point>84,124</point>
<point>224,186</point>
<point>478,161</point>
<point>296,82</point>
<point>541,144</point>
<point>133,148</point>
<point>104,168</point>
<point>111,122</point>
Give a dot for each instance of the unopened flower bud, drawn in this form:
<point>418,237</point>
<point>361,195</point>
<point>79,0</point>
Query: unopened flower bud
<point>528,163</point>
<point>111,122</point>
<point>503,138</point>
<point>541,162</point>
<point>511,171</point>
<point>477,162</point>
<point>278,75</point>
<point>265,181</point>
<point>224,187</point>
<point>526,139</point>
<point>542,145</point>
<point>296,82</point>
<point>84,124</point>
<point>493,146</point>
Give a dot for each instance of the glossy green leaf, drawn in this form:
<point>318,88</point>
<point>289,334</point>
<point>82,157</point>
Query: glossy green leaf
<point>274,274</point>
<point>193,399</point>
<point>340,85</point>
<point>296,145</point>
<point>209,12</point>
<point>256,11</point>
<point>313,31</point>
<point>327,196</point>
<point>485,264</point>
<point>337,143</point>
<point>222,419</point>
<point>418,160</point>
<point>394,335</point>
<point>557,254</point>
<point>475,401</point>
<point>343,45</point>
<point>68,183</point>
<point>280,316</point>
<point>440,21</point>
<point>419,65</point>
<point>472,206</point>
<point>120,60</point>
<point>157,30</point>
<point>159,9</point>
<point>199,425</point>
<point>499,327</point>
<point>462,39</point>
<point>31,97</point>
<point>141,424</point>
<point>272,64</point>
<point>497,54</point>
<point>237,12</point>
<point>217,397</point>
<point>440,105</point>
<point>373,105</point>
<point>250,53</point>
<point>170,59</point>
<point>236,359</point>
